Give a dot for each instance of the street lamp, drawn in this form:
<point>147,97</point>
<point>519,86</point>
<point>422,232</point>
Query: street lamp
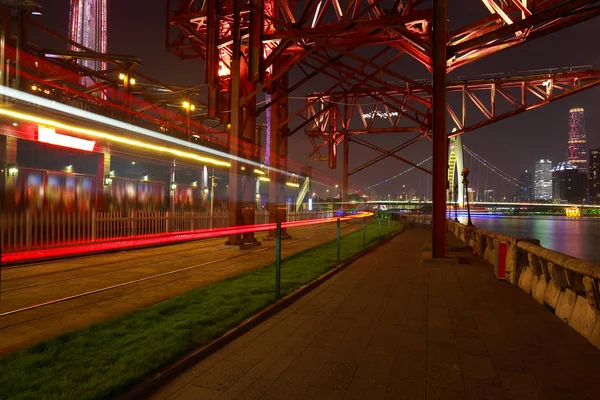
<point>455,202</point>
<point>465,175</point>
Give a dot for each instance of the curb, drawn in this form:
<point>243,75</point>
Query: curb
<point>143,389</point>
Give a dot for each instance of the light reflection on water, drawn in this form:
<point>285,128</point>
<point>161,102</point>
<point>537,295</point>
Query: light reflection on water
<point>578,237</point>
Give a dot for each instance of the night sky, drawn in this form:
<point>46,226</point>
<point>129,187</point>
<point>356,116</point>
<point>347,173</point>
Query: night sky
<point>137,27</point>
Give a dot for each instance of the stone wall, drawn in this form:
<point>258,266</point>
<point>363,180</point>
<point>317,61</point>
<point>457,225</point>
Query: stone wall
<point>567,286</point>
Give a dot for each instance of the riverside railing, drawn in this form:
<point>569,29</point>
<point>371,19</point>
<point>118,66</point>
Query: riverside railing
<point>567,286</point>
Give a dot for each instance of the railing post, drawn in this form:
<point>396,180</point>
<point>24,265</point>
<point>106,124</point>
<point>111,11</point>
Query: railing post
<point>339,255</point>
<point>378,227</point>
<point>365,232</point>
<point>278,260</point>
<point>389,218</point>
<point>28,230</point>
<point>93,225</point>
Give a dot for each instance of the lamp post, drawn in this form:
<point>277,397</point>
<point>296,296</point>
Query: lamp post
<point>188,107</point>
<point>456,202</point>
<point>128,82</point>
<point>465,175</point>
<point>212,196</point>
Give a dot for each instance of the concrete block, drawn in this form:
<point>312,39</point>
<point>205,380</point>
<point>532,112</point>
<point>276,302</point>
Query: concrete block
<point>539,289</point>
<point>552,294</point>
<point>583,317</point>
<point>525,279</point>
<point>565,304</point>
<point>595,334</point>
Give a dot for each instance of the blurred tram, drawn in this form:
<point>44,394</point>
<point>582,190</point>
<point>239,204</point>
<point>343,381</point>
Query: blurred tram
<point>58,191</point>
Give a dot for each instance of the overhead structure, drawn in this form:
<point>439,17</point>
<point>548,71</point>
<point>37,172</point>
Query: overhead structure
<point>323,38</point>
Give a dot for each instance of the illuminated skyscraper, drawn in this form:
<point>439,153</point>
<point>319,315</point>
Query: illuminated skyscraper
<point>542,189</point>
<point>594,176</point>
<point>87,26</point>
<point>577,152</point>
<point>569,185</point>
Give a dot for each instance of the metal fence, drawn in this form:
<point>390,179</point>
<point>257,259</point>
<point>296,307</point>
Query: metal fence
<point>27,230</point>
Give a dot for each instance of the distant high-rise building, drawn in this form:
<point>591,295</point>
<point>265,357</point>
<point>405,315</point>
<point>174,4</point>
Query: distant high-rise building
<point>569,184</point>
<point>577,151</point>
<point>87,26</point>
<point>542,181</point>
<point>525,190</point>
<point>594,176</point>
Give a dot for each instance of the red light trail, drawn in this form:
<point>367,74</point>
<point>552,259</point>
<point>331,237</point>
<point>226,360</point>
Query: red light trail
<point>131,242</point>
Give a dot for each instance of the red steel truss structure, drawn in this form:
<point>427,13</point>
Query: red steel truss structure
<point>327,38</point>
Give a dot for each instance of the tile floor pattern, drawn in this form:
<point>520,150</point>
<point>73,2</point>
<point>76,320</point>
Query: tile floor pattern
<point>389,327</point>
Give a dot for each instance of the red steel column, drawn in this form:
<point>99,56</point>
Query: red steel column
<point>244,75</point>
<point>345,178</point>
<point>440,163</point>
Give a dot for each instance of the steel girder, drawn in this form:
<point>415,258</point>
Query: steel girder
<point>471,104</point>
<point>321,37</point>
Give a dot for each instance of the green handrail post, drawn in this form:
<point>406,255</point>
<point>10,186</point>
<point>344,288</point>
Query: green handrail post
<point>378,227</point>
<point>365,232</point>
<point>278,260</point>
<point>339,245</point>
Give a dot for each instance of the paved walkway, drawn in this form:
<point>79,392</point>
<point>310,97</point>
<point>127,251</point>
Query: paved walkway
<point>389,327</point>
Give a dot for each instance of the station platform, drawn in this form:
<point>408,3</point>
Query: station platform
<point>390,327</point>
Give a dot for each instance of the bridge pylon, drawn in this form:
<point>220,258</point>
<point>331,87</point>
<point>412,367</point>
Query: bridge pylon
<point>455,166</point>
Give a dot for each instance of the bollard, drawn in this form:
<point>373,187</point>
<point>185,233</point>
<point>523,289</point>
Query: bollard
<point>379,228</point>
<point>339,258</point>
<point>365,232</point>
<point>389,225</point>
<point>278,260</point>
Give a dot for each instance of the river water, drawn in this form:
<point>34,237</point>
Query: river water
<point>577,237</point>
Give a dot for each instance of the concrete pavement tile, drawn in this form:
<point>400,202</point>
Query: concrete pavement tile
<point>253,352</point>
<point>440,335</point>
<point>247,388</point>
<point>477,367</point>
<point>434,393</point>
<point>361,388</point>
<point>312,358</point>
<point>288,392</point>
<point>317,393</point>
<point>196,392</point>
<point>445,376</point>
<point>439,353</point>
<point>473,346</point>
<point>375,367</point>
<point>484,390</point>
<point>336,375</point>
<point>274,364</point>
<point>518,385</point>
<point>223,375</point>
<point>412,342</point>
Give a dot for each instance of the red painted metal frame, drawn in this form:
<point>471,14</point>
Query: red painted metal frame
<point>322,36</point>
<point>472,104</point>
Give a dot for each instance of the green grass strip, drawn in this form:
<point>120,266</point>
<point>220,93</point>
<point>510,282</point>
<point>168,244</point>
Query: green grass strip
<point>105,359</point>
